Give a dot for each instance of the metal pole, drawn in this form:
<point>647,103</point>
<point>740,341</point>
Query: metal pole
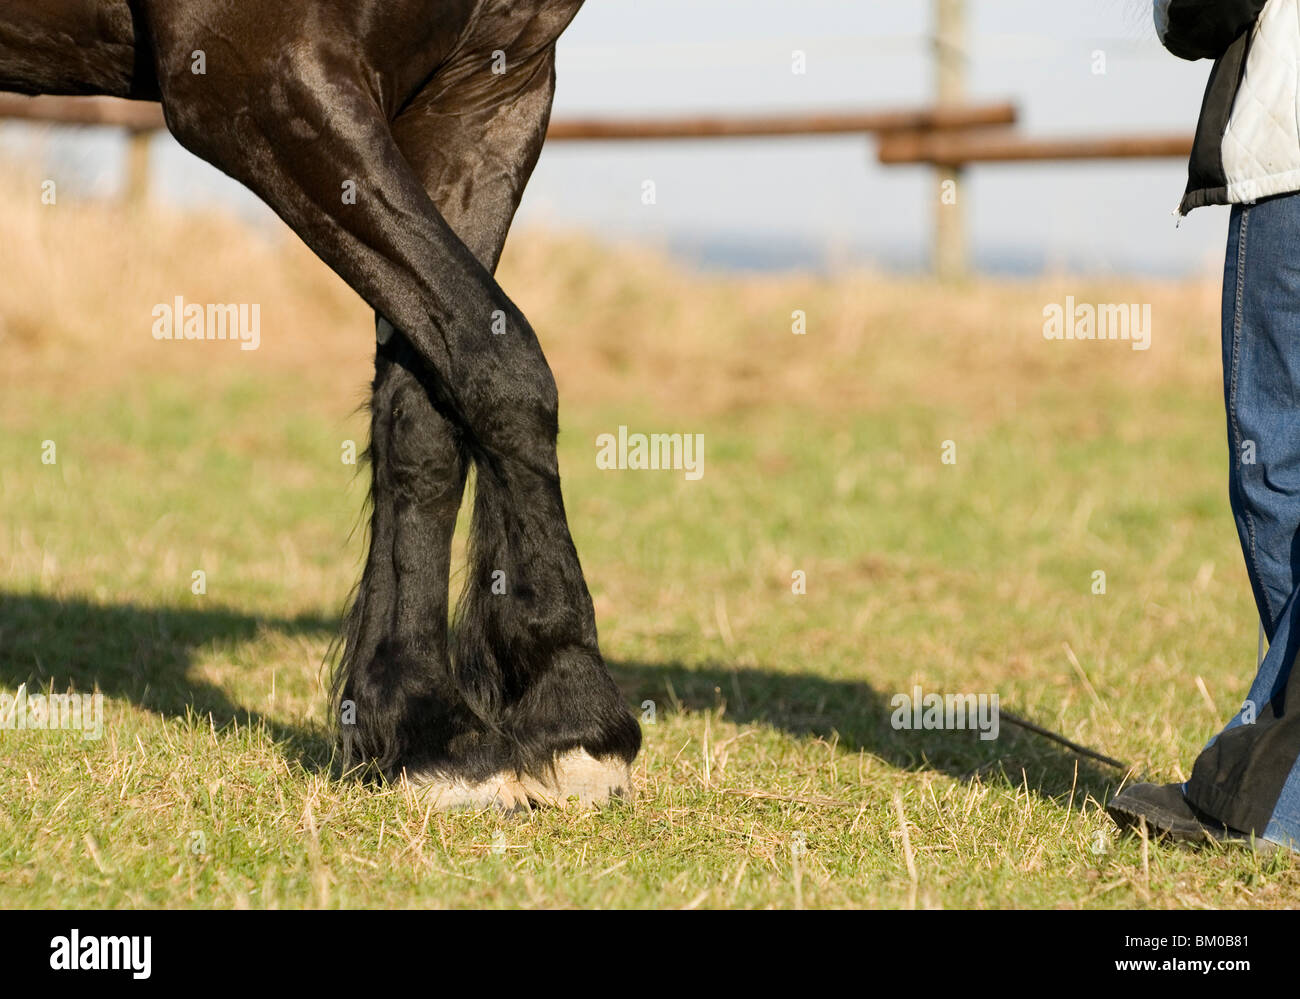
<point>948,255</point>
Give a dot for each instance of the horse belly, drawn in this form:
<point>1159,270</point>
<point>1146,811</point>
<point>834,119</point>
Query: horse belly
<point>69,47</point>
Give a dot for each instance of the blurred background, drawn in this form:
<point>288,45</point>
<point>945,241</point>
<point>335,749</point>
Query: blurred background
<point>1073,68</point>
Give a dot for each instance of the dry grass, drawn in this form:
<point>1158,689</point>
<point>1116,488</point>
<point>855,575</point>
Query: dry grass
<point>646,326</point>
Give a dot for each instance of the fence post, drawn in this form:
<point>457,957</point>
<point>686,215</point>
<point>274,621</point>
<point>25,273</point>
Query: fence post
<point>137,168</point>
<point>948,259</point>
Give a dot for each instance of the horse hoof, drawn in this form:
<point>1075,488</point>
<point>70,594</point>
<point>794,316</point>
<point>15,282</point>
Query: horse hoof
<point>449,794</point>
<point>578,780</point>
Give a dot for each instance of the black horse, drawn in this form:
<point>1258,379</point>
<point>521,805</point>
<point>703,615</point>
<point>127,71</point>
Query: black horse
<point>395,137</point>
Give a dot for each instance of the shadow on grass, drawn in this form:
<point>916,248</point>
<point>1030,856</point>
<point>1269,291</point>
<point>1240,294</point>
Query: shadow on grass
<point>144,655</point>
<point>807,705</point>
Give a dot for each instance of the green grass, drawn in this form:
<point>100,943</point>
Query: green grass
<point>771,776</point>
<point>770,770</point>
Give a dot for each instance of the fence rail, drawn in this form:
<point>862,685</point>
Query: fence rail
<point>883,123</point>
<point>134,116</point>
<point>137,116</point>
<point>962,149</point>
<point>945,137</point>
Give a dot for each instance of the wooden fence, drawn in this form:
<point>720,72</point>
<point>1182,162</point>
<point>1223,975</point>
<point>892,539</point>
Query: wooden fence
<point>946,138</point>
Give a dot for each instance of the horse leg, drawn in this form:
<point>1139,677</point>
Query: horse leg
<point>474,150</point>
<point>528,670</point>
<point>396,629</point>
<point>397,703</point>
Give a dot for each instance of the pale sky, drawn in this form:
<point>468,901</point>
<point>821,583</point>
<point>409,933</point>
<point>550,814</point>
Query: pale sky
<point>774,201</point>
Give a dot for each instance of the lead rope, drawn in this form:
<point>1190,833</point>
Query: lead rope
<point>1056,737</point>
<point>1092,754</point>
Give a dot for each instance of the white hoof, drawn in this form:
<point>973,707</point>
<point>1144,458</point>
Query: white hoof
<point>579,779</point>
<point>581,776</point>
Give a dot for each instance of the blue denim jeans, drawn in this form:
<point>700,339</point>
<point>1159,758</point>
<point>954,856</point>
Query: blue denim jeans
<point>1248,776</point>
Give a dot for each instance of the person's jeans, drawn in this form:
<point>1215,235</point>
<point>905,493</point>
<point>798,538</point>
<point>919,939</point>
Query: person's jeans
<point>1248,777</point>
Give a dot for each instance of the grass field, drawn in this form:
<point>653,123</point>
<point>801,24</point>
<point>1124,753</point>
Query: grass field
<point>771,775</point>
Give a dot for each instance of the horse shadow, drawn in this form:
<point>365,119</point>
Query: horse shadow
<point>145,655</point>
<point>856,716</point>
